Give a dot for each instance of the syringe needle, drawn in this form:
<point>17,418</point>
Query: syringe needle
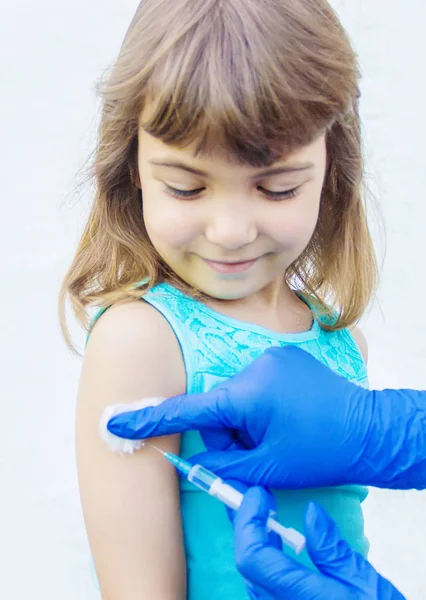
<point>155,448</point>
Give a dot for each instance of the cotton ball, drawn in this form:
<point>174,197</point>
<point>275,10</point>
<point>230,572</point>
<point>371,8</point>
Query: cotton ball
<point>118,444</point>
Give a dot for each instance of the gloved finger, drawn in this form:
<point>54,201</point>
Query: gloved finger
<point>257,593</point>
<point>273,538</point>
<point>244,439</point>
<point>246,466</point>
<point>243,487</point>
<point>221,439</point>
<point>334,557</point>
<point>175,415</point>
<point>264,565</point>
<point>331,555</point>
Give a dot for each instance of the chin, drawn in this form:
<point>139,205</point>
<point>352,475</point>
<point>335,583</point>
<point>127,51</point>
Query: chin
<point>229,291</point>
<point>226,296</point>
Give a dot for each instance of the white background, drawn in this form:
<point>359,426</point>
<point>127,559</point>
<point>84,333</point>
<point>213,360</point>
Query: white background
<point>51,54</point>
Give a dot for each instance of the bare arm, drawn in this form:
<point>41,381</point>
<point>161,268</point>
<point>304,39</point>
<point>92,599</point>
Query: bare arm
<point>130,503</point>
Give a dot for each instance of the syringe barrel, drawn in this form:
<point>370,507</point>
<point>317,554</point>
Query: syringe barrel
<point>213,485</point>
<point>202,478</point>
<point>233,498</point>
<point>226,494</point>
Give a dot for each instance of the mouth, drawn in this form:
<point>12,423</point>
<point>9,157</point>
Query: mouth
<point>227,267</point>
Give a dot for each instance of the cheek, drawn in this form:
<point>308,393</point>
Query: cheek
<point>294,225</point>
<point>169,223</point>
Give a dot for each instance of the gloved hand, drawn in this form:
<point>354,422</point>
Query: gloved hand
<point>288,421</point>
<point>343,574</point>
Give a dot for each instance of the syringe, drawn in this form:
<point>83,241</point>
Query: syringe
<point>208,482</point>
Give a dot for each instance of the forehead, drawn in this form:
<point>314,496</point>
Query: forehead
<point>215,154</point>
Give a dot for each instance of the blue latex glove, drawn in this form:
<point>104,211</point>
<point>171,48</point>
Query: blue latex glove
<point>254,591</point>
<point>288,421</point>
<point>343,574</point>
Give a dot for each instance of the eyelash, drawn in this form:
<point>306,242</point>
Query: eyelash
<point>189,194</point>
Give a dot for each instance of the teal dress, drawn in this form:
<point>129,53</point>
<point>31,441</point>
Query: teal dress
<point>215,347</point>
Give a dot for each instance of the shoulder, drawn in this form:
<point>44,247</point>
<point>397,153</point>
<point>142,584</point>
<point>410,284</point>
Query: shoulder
<point>133,338</point>
<point>129,323</point>
<point>360,341</point>
<point>131,354</point>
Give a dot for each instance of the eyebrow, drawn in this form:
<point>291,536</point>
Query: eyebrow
<point>290,168</point>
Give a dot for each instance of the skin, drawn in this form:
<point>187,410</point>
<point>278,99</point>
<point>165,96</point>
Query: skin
<point>230,218</point>
<point>233,218</point>
<point>130,503</point>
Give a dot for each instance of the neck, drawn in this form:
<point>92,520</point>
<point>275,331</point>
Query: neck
<point>276,307</point>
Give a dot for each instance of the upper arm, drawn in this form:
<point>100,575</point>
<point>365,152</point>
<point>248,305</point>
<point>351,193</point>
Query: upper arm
<point>361,342</point>
<point>130,503</point>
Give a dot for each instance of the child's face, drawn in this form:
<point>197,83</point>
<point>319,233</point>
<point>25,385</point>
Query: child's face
<point>226,233</point>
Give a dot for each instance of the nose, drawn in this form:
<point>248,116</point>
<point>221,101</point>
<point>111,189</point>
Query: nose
<point>231,227</point>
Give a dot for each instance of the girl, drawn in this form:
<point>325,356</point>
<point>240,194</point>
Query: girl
<point>228,218</point>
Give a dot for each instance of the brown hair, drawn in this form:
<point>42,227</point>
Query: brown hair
<point>263,75</point>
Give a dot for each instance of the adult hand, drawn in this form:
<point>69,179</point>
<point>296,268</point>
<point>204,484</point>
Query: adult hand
<point>342,573</point>
<point>288,421</point>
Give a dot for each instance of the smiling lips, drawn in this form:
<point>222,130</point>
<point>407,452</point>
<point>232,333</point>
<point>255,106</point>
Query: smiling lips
<point>230,267</point>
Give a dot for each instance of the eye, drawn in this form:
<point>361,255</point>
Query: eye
<point>182,193</point>
<point>279,195</point>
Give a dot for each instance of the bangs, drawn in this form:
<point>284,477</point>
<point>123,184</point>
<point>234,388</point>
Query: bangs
<point>259,84</point>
